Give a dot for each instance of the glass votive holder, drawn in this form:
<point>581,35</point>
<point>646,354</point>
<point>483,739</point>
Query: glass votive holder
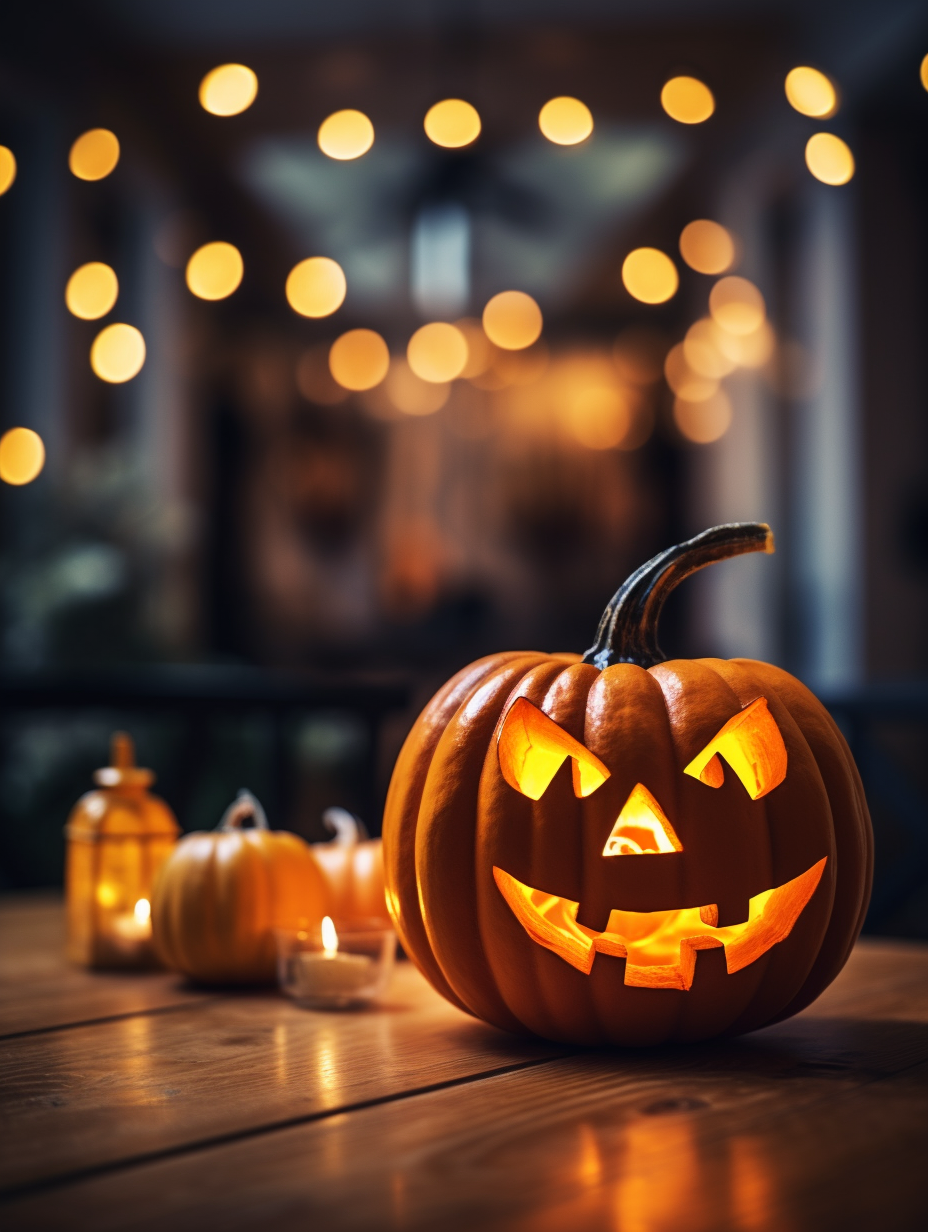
<point>331,968</point>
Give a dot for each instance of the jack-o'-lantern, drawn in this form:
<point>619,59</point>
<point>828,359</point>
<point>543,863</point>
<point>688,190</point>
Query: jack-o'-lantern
<point>624,849</point>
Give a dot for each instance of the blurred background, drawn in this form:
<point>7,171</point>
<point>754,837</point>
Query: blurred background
<point>672,261</point>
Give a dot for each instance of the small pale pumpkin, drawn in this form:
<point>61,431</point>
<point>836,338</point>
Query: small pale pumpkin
<point>222,893</point>
<point>353,867</point>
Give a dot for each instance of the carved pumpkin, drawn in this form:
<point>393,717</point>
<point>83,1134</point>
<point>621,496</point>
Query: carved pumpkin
<point>622,849</point>
<point>221,894</point>
<point>353,867</point>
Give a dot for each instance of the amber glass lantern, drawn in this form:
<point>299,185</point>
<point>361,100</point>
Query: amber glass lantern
<point>117,838</point>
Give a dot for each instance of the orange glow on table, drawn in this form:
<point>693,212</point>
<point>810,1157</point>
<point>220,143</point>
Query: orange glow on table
<point>22,456</point>
<point>94,154</point>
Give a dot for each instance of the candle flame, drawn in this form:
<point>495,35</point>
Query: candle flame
<point>329,936</point>
<point>142,911</point>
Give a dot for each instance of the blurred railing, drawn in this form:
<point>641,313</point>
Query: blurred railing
<point>886,726</point>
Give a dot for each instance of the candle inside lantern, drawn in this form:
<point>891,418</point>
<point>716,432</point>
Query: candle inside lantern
<point>133,928</point>
<point>332,977</point>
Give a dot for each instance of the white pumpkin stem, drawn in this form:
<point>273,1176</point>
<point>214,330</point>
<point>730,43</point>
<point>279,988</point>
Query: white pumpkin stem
<point>348,829</point>
<point>244,805</point>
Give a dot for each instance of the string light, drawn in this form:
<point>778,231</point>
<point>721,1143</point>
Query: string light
<point>452,123</point>
<point>650,276</point>
<point>215,270</point>
<point>565,120</point>
<point>687,100</point>
<point>829,159</point>
<point>117,354</point>
<point>94,154</point>
<point>345,135</point>
<point>22,456</point>
<point>512,320</point>
<point>316,287</point>
<point>359,359</point>
<point>228,90</point>
<point>7,169</point>
<point>91,291</point>
<point>810,92</point>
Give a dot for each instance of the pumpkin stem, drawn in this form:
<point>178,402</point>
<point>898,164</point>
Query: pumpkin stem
<point>244,805</point>
<point>627,632</point>
<point>347,828</point>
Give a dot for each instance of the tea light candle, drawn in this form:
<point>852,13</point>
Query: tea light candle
<point>135,926</point>
<point>331,976</point>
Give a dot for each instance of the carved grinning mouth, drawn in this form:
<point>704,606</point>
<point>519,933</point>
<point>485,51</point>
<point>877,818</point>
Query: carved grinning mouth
<point>659,946</point>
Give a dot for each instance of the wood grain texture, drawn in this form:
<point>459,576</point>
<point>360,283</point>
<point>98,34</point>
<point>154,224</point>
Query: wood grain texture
<point>40,989</point>
<point>247,1112</point>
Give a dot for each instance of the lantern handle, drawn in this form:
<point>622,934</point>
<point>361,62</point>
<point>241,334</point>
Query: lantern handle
<point>627,632</point>
<point>244,805</point>
<point>347,829</point>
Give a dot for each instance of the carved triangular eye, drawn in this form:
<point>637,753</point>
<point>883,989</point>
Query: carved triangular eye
<point>752,744</point>
<point>532,749</point>
<point>642,828</point>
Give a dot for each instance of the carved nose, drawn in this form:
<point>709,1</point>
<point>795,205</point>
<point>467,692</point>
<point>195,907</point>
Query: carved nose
<point>642,828</point>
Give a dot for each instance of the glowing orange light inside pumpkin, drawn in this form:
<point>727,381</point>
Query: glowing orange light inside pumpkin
<point>641,828</point>
<point>532,749</point>
<point>752,745</point>
<point>659,947</point>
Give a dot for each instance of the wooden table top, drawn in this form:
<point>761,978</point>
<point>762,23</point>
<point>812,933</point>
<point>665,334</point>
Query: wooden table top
<point>134,1101</point>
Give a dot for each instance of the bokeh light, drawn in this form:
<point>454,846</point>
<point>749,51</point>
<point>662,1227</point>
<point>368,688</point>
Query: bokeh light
<point>228,90</point>
<point>703,353</point>
<point>565,120</point>
<point>345,135</point>
<point>707,247</point>
<point>737,305</point>
<point>22,456</point>
<point>91,291</point>
<point>452,123</point>
<point>437,352</point>
<point>829,159</point>
<point>703,422</point>
<point>7,168</point>
<point>810,92</point>
<point>411,394</point>
<point>512,320</point>
<point>314,379</point>
<point>685,383</point>
<point>687,100</point>
<point>650,276</point>
<point>316,287</point>
<point>599,416</point>
<point>359,359</point>
<point>751,350</point>
<point>923,72</point>
<point>215,270</point>
<point>94,154</point>
<point>479,347</point>
<point>118,353</point>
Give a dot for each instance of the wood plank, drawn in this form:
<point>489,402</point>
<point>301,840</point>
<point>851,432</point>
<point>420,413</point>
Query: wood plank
<point>40,989</point>
<point>91,1095</point>
<point>819,1124</point>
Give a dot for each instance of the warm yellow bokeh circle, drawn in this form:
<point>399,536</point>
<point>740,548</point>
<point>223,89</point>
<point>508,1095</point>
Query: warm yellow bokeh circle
<point>565,120</point>
<point>359,359</point>
<point>94,154</point>
<point>22,456</point>
<point>829,159</point>
<point>316,287</point>
<point>7,168</point>
<point>345,135</point>
<point>91,291</point>
<point>118,353</point>
<point>707,247</point>
<point>512,320</point>
<point>650,275</point>
<point>737,306</point>
<point>810,92</point>
<point>923,72</point>
<point>703,422</point>
<point>228,90</point>
<point>215,270</point>
<point>452,123</point>
<point>687,100</point>
<point>437,352</point>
